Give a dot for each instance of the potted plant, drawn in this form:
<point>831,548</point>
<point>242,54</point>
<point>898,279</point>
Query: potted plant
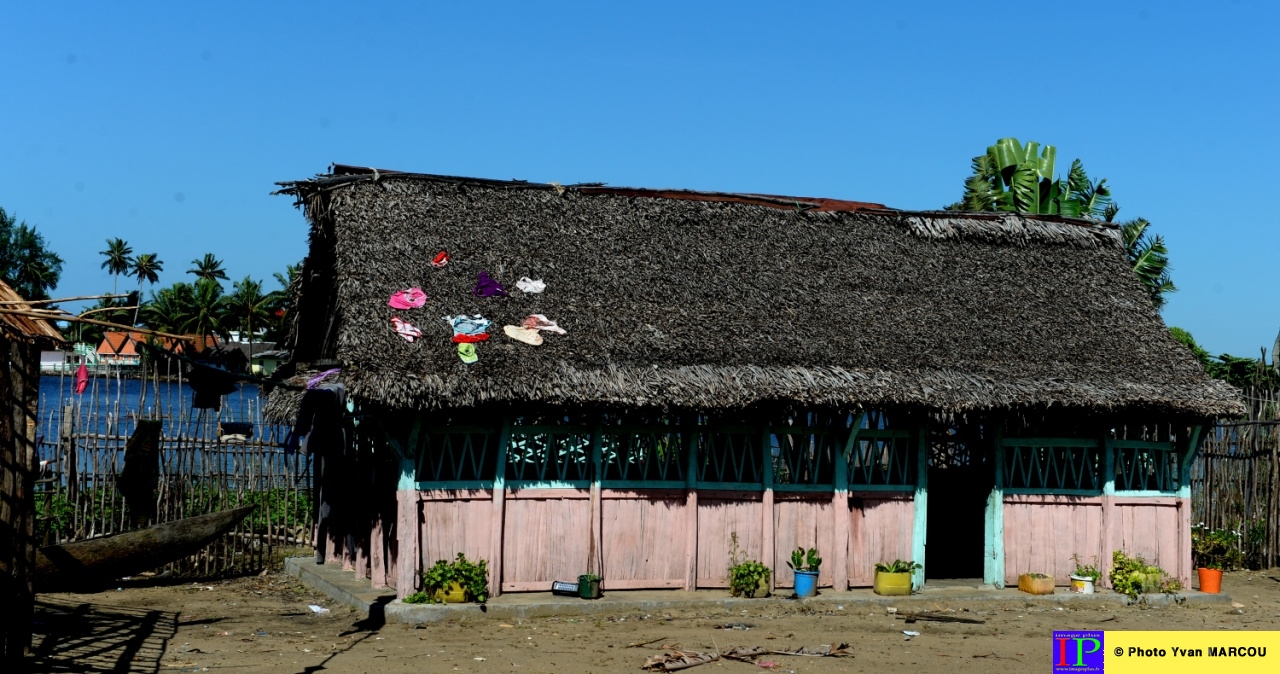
<point>1212,551</point>
<point>747,577</point>
<point>1035,583</point>
<point>1085,576</point>
<point>894,578</point>
<point>589,586</point>
<point>805,567</point>
<point>453,582</point>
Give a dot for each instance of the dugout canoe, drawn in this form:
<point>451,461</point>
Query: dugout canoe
<point>103,560</point>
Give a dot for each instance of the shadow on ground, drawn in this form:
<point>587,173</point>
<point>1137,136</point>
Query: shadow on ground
<point>80,637</point>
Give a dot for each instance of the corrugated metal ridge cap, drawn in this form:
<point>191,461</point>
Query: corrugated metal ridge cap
<point>342,175</point>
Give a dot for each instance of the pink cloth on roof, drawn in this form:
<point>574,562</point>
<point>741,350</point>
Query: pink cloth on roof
<point>411,298</point>
<point>405,329</point>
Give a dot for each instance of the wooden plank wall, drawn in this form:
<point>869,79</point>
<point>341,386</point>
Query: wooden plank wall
<point>880,528</point>
<point>1041,532</point>
<point>546,537</point>
<point>803,521</point>
<point>644,539</point>
<point>721,514</point>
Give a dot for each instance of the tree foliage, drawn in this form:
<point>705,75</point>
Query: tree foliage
<point>208,267</point>
<point>26,263</point>
<point>119,260</point>
<point>1245,373</point>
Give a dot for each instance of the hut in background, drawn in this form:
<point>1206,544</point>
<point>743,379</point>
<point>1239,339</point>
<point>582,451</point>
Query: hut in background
<point>21,340</point>
<point>987,394</point>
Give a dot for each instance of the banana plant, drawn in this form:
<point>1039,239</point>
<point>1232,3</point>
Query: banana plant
<point>1020,178</point>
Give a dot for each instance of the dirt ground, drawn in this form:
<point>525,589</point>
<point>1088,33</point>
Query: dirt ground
<point>264,624</point>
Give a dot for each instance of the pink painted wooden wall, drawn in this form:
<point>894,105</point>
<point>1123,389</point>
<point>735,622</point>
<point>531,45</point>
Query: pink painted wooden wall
<point>644,539</point>
<point>880,529</point>
<point>546,537</point>
<point>1042,532</point>
<point>453,522</point>
<point>1154,529</point>
<point>718,518</point>
<point>802,520</point>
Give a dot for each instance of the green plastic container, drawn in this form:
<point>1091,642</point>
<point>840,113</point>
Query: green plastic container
<point>589,587</point>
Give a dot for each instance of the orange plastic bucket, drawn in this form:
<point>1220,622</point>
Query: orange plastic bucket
<point>1210,580</point>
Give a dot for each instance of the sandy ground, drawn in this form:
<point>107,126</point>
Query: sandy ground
<point>264,624</point>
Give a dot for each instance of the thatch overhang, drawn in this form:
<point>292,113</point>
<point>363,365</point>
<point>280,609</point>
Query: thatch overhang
<point>694,300</point>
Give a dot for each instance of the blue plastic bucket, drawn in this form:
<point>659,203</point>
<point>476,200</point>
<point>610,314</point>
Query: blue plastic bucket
<point>806,583</point>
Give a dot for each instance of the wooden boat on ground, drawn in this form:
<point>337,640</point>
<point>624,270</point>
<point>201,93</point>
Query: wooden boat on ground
<point>105,559</point>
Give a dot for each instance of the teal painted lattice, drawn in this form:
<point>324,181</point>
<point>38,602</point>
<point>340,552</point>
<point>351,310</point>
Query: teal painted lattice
<point>549,454</point>
<point>1052,464</point>
<point>1146,466</point>
<point>805,455</point>
<point>730,455</point>
<point>883,458</point>
<point>458,454</point>
<point>643,453</point>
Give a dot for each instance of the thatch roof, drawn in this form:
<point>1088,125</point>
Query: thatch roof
<point>713,301</point>
<point>28,327</point>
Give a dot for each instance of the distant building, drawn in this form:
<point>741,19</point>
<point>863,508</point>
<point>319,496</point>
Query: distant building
<point>120,348</point>
<point>265,363</point>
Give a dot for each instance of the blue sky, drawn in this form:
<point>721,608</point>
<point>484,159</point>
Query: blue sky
<point>167,124</point>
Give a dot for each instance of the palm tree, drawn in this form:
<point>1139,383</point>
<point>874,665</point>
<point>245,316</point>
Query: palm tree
<point>247,305</point>
<point>207,310</point>
<point>281,300</point>
<point>1149,258</point>
<point>208,268</point>
<point>146,267</point>
<point>119,260</point>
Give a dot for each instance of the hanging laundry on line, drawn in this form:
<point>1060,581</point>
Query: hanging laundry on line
<point>405,329</point>
<point>411,298</point>
<point>441,259</point>
<point>540,322</point>
<point>486,286</point>
<point>528,285</point>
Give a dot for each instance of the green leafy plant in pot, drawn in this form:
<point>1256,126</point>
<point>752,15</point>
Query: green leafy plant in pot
<point>1085,577</point>
<point>893,579</point>
<point>805,566</point>
<point>453,582</point>
<point>589,586</point>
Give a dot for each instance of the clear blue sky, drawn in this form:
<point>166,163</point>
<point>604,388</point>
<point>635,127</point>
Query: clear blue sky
<point>167,124</point>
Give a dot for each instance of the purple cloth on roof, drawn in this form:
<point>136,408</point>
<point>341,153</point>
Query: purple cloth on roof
<point>487,287</point>
<point>315,381</point>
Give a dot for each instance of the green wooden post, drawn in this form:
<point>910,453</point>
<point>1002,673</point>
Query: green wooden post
<point>692,430</point>
<point>408,453</point>
<point>1188,458</point>
<point>1108,468</point>
<point>920,525</point>
<point>842,461</point>
<point>497,521</point>
<point>993,558</point>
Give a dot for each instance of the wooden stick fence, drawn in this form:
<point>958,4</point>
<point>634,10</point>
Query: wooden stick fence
<point>1235,481</point>
<point>209,461</point>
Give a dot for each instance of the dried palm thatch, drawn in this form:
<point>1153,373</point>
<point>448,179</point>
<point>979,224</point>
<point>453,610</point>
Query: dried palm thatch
<point>705,301</point>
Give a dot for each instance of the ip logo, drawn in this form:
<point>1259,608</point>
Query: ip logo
<point>1078,651</point>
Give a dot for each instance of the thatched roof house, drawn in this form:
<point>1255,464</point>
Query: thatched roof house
<point>715,301</point>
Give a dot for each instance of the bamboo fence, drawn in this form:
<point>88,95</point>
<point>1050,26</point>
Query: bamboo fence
<point>1235,480</point>
<point>206,466</point>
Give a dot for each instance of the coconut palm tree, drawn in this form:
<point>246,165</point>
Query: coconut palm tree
<point>209,268</point>
<point>146,267</point>
<point>1149,258</point>
<point>247,306</point>
<point>206,311</point>
<point>119,260</point>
